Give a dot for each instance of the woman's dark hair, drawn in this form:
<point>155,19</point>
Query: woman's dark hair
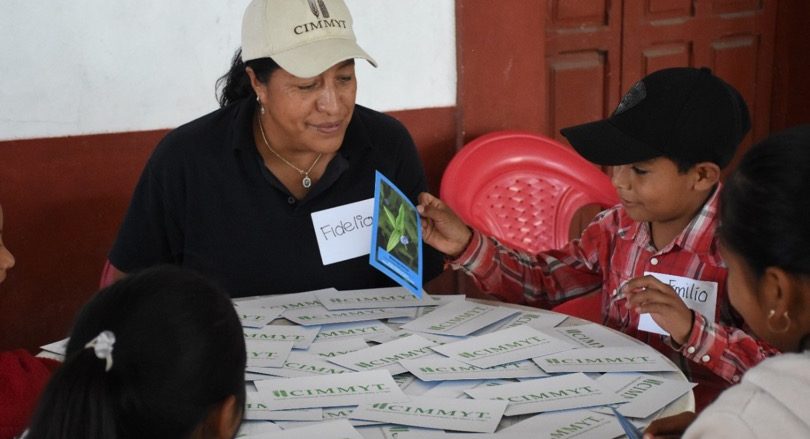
<point>179,352</point>
<point>765,202</point>
<point>235,84</point>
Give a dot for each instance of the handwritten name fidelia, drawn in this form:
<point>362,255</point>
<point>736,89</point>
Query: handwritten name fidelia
<point>358,222</point>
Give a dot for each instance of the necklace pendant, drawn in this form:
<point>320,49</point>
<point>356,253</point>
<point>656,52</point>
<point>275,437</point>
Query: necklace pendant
<point>306,182</point>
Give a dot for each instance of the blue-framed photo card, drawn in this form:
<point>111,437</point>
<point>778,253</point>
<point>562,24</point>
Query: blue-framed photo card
<point>396,236</point>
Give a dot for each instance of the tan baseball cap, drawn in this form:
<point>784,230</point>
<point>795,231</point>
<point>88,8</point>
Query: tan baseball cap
<point>304,37</point>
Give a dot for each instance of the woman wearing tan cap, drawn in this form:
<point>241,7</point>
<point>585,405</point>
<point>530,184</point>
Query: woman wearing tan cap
<point>231,194</point>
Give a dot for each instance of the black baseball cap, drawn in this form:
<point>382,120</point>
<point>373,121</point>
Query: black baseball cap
<point>683,113</point>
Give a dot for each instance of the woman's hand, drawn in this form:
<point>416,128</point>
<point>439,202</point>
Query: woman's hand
<point>649,295</point>
<point>669,427</point>
<point>442,229</point>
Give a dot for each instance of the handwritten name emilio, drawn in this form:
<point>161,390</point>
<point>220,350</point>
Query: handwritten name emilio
<point>432,411</point>
<point>692,291</point>
<point>358,222</point>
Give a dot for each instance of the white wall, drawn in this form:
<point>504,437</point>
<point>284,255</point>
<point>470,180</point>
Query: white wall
<point>101,66</point>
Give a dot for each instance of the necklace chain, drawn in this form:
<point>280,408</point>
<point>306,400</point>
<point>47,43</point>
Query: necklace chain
<point>306,181</point>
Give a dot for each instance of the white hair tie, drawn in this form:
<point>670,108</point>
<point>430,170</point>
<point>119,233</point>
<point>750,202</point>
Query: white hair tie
<point>103,346</point>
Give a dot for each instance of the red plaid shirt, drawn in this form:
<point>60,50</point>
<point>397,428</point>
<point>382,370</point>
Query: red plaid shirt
<point>612,250</point>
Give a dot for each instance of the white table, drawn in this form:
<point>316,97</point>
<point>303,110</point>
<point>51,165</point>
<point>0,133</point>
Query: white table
<point>684,403</point>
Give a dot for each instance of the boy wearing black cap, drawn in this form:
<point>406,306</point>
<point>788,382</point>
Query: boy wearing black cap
<point>667,142</point>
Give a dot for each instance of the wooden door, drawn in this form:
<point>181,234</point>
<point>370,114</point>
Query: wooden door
<point>597,49</point>
<point>735,38</point>
<point>583,61</point>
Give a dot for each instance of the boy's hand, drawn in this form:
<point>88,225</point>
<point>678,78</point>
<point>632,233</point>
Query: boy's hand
<point>670,426</point>
<point>649,295</point>
<point>442,229</point>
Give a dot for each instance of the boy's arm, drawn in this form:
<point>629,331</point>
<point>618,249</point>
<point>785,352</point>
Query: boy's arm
<point>729,352</point>
<point>542,280</point>
<point>725,350</point>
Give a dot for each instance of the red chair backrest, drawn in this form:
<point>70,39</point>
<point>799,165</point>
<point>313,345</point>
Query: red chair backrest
<point>523,188</point>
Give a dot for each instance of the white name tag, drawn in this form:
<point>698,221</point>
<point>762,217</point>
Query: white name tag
<point>698,295</point>
<point>344,232</point>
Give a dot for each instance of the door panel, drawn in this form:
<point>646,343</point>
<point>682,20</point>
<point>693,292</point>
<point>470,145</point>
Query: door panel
<point>577,89</point>
<point>583,61</point>
<point>732,37</point>
<point>664,56</point>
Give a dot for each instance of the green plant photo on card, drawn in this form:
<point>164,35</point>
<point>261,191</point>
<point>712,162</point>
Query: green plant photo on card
<point>398,228</point>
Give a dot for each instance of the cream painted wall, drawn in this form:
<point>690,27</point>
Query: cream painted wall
<point>100,66</point>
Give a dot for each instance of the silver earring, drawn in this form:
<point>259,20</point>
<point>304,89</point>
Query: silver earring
<point>261,107</point>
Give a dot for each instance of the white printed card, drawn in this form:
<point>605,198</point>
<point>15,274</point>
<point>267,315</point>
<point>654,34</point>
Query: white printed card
<point>330,390</point>
<point>480,416</point>
<point>459,318</point>
<point>646,393</point>
<point>301,336</point>
<point>387,355</point>
<point>560,392</point>
<point>322,316</point>
<point>267,353</point>
<point>627,359</point>
<point>448,369</point>
<point>504,346</point>
<point>698,295</point>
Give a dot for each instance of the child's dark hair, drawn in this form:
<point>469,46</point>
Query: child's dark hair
<point>765,202</point>
<point>235,83</point>
<point>179,352</point>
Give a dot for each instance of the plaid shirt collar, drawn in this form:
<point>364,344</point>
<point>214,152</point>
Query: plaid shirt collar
<point>697,237</point>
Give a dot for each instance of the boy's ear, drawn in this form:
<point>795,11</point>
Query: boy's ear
<point>707,175</point>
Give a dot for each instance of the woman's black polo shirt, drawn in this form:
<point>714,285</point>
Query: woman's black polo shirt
<point>206,201</point>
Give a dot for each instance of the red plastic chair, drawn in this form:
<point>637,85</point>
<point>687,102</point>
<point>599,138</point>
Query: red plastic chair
<point>524,189</point>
